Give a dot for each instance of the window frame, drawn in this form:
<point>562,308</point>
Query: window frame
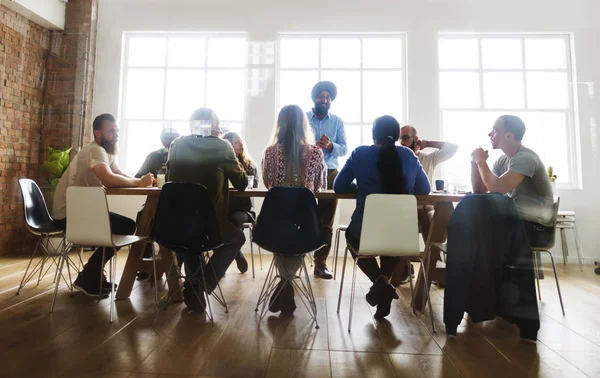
<point>361,70</point>
<point>572,126</point>
<point>125,68</point>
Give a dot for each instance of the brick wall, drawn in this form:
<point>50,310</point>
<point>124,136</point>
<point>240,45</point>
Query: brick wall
<point>45,89</point>
<point>23,50</point>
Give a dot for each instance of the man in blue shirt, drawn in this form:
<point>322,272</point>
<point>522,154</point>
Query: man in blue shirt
<point>331,138</point>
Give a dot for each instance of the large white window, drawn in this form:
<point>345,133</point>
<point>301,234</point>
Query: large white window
<point>166,76</point>
<point>368,70</point>
<point>485,76</point>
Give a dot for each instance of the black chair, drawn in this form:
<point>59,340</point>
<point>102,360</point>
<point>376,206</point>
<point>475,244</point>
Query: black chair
<point>186,224</point>
<point>40,223</point>
<point>289,225</point>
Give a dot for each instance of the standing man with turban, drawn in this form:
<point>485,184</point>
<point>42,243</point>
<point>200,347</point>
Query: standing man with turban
<point>331,138</point>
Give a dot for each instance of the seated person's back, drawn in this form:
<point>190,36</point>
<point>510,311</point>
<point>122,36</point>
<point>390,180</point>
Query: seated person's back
<point>203,158</point>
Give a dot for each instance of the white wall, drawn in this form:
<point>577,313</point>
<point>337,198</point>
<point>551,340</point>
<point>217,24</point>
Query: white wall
<point>421,19</point>
<point>47,13</point>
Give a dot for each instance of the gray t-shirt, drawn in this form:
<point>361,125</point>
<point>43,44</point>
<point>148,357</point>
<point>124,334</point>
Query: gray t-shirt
<point>533,197</point>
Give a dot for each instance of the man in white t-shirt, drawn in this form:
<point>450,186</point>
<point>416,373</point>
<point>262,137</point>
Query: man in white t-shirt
<point>95,165</point>
<point>430,154</point>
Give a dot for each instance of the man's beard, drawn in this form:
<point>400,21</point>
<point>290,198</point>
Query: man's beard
<point>110,147</point>
<point>322,109</point>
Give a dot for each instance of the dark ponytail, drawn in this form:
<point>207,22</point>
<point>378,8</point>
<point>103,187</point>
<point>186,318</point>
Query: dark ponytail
<point>386,131</point>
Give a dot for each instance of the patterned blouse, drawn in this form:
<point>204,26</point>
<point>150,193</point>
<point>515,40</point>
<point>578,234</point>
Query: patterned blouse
<point>273,167</point>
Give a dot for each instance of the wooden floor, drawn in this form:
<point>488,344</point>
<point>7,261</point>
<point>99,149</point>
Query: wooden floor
<point>78,341</point>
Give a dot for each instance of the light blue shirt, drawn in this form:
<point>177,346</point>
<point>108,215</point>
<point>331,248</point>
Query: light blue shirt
<point>333,127</point>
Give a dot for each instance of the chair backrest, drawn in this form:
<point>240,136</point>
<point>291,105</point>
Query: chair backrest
<point>35,210</point>
<point>554,220</point>
<point>88,221</point>
<point>288,222</point>
<point>390,226</point>
<point>186,219</point>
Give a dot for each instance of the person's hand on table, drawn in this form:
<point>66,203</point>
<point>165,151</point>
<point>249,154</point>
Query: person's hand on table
<point>147,180</point>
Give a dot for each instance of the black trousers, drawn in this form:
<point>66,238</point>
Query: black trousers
<point>326,209</point>
<point>220,260</point>
<point>119,225</point>
<point>369,265</point>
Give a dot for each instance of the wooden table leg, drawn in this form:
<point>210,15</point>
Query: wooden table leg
<point>437,234</point>
<point>134,259</point>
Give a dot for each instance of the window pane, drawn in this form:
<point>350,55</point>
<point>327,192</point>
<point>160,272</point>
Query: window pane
<point>187,52</point>
<point>353,138</point>
<point>546,135</point>
<point>503,90</point>
<point>147,51</point>
<point>347,103</point>
<point>227,126</point>
<point>144,98</point>
<point>382,52</point>
<point>185,93</point>
<point>340,53</point>
<point>299,53</point>
<point>459,90</point>
<point>458,53</point>
<point>383,94</point>
<point>545,53</point>
<point>142,138</point>
<point>547,90</point>
<point>502,53</point>
<point>183,127</point>
<point>225,93</point>
<point>295,88</point>
<point>469,129</point>
<point>227,52</point>
<point>367,135</point>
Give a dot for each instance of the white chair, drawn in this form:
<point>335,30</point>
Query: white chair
<point>546,249</point>
<point>88,225</point>
<point>566,221</point>
<point>389,228</point>
<point>250,228</point>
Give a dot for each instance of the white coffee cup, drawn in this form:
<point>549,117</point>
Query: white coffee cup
<point>250,182</point>
<point>160,180</point>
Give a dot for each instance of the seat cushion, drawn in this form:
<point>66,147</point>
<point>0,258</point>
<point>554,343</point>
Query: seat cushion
<point>123,240</point>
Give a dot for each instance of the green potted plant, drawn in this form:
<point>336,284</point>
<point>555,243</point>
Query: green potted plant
<point>552,176</point>
<point>57,163</point>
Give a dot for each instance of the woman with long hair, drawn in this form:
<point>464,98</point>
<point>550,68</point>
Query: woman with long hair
<point>292,159</point>
<point>387,168</point>
<point>241,210</point>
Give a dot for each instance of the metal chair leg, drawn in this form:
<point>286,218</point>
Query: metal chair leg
<point>265,285</point>
<point>578,246</point>
<point>428,297</point>
<point>112,272</point>
<point>557,285</point>
<point>310,292</point>
<point>411,286</point>
<point>251,252</point>
<point>155,276</point>
<point>342,280</point>
<point>23,281</point>
<point>62,262</point>
<point>537,275</point>
<point>335,252</point>
<point>565,248</point>
<point>352,293</point>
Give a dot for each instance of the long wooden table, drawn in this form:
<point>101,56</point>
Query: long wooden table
<point>443,204</point>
